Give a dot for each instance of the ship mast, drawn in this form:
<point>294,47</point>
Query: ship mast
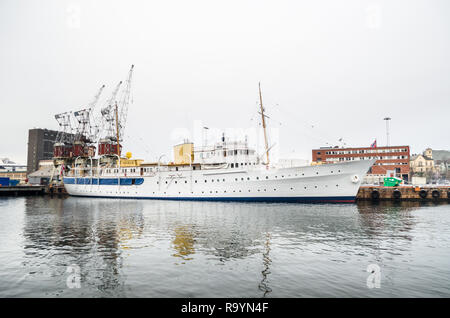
<point>117,130</point>
<point>264,124</point>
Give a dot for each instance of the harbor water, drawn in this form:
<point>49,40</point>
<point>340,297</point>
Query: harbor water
<point>87,247</point>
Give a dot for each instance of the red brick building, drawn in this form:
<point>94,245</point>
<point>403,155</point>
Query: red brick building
<point>392,158</point>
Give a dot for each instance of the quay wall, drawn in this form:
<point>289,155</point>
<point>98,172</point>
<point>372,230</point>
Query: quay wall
<point>404,193</point>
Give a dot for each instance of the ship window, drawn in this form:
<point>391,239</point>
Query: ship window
<point>267,177</point>
<point>195,181</point>
<point>185,181</point>
<point>175,182</point>
<point>232,165</point>
<point>237,164</point>
<point>206,181</point>
<point>176,168</point>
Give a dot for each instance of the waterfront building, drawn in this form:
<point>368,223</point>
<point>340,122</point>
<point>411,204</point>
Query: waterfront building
<point>45,172</point>
<point>12,170</point>
<point>391,160</point>
<point>423,165</point>
<point>40,147</point>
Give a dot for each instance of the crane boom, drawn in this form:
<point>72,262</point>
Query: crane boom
<point>125,101</point>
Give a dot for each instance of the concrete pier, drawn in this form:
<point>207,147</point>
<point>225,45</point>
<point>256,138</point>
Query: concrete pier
<point>22,190</point>
<point>404,193</point>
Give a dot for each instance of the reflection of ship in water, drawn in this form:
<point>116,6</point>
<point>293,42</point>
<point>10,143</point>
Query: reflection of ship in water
<point>183,243</point>
<point>97,234</point>
<point>86,233</point>
<point>264,284</point>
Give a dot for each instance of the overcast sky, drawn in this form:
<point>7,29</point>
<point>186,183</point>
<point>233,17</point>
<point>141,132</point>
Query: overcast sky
<point>329,69</point>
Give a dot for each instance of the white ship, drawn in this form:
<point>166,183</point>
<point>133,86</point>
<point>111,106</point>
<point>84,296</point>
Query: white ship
<point>226,171</point>
<point>239,177</point>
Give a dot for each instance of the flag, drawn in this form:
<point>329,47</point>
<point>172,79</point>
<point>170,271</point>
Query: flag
<point>374,144</point>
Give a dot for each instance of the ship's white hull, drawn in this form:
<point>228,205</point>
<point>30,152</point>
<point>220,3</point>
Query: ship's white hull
<point>320,183</point>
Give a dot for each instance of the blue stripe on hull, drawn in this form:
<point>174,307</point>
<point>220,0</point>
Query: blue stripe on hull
<point>344,199</point>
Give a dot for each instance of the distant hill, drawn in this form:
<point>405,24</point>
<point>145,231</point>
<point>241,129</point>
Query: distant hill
<point>441,155</point>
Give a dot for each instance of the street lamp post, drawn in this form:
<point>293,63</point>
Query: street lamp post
<point>387,119</point>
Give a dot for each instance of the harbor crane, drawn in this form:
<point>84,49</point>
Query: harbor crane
<point>114,116</point>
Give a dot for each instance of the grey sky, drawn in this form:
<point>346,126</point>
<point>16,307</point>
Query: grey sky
<point>329,69</point>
